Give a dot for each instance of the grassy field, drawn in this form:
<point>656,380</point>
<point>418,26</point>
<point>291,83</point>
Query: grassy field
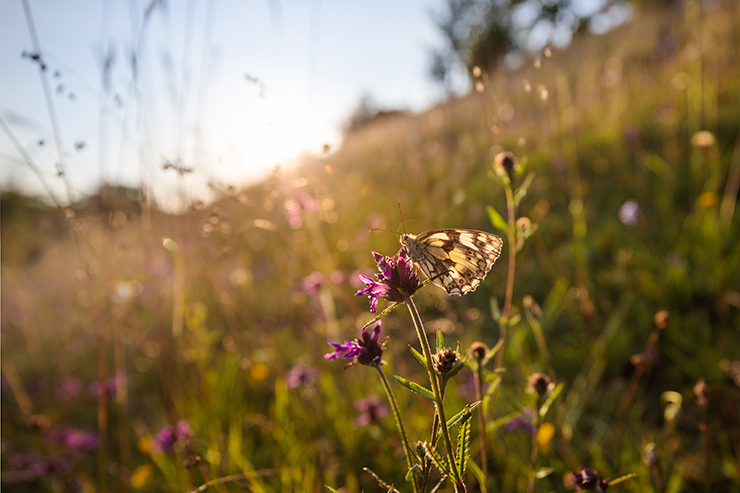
<point>157,352</point>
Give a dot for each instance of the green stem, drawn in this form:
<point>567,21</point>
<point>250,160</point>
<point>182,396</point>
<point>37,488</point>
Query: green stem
<point>399,423</point>
<point>482,426</point>
<point>459,485</point>
<point>533,453</point>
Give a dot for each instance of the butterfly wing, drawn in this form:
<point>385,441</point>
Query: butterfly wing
<point>457,259</point>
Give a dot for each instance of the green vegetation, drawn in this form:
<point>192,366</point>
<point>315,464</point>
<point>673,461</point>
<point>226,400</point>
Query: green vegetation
<point>206,331</point>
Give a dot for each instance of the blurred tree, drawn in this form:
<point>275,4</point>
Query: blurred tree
<point>483,32</point>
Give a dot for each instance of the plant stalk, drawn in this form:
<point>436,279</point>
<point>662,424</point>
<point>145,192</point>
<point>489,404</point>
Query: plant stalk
<point>459,485</point>
<point>399,422</point>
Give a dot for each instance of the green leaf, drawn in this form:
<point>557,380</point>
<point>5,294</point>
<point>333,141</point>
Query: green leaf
<point>415,387</point>
<point>415,470</point>
<point>495,310</point>
<point>478,473</point>
<point>550,399</point>
<point>437,459</point>
<point>330,488</point>
<point>420,357</point>
<point>461,415</point>
<point>459,365</point>
<point>521,192</point>
<point>492,352</point>
<point>496,219</point>
<point>463,442</point>
<point>622,478</point>
<point>440,341</point>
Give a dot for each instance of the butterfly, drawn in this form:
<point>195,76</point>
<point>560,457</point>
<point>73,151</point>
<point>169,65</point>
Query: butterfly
<point>455,259</point>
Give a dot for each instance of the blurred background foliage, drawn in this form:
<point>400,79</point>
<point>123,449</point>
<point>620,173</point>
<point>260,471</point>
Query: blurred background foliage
<point>120,321</point>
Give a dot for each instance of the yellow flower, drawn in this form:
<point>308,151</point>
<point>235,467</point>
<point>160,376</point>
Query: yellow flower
<point>544,436</point>
<point>141,475</point>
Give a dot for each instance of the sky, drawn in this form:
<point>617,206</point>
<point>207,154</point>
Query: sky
<point>225,88</point>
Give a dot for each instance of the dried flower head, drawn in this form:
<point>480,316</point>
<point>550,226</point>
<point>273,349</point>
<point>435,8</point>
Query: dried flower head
<point>478,350</point>
<point>396,279</point>
<point>506,164</point>
<point>444,360</point>
<point>365,351</point>
<point>539,384</point>
<point>661,319</point>
<point>701,391</point>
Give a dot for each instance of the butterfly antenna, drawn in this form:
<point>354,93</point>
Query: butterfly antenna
<point>403,223</point>
<point>386,230</point>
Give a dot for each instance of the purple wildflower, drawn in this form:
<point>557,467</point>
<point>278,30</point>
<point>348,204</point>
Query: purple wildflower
<point>365,351</point>
<point>371,410</point>
<point>74,439</point>
<point>396,280</point>
<point>68,388</point>
<point>109,386</point>
<point>30,465</point>
<point>628,212</point>
<point>169,436</point>
<point>588,479</point>
<point>311,284</point>
<point>523,422</point>
<point>300,376</point>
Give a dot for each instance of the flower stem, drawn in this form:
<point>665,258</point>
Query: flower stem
<point>482,426</point>
<point>459,485</point>
<point>533,453</point>
<point>399,423</point>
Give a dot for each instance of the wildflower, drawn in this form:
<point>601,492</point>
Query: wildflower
<point>371,410</point>
<point>365,352</point>
<point>169,436</point>
<point>68,388</point>
<point>74,439</point>
<point>396,280</point>
<point>661,319</point>
<point>588,479</point>
<point>300,376</point>
<point>539,384</point>
<point>444,360</point>
<point>701,391</point>
<point>506,164</point>
<point>478,350</point>
<point>109,387</point>
<point>524,422</point>
<point>628,212</point>
<point>312,283</point>
<point>191,462</point>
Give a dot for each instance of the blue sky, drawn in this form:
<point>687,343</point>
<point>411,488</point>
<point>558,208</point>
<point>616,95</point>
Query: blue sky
<point>312,61</point>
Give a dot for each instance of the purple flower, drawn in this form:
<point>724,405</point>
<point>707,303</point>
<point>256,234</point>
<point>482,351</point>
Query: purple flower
<point>628,212</point>
<point>168,436</point>
<point>74,439</point>
<point>311,284</point>
<point>30,465</point>
<point>371,410</point>
<point>300,376</point>
<point>523,422</point>
<point>68,388</point>
<point>109,386</point>
<point>588,479</point>
<point>396,280</point>
<point>366,351</point>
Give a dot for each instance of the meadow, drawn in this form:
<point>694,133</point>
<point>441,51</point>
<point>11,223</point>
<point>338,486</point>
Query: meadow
<point>151,351</point>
